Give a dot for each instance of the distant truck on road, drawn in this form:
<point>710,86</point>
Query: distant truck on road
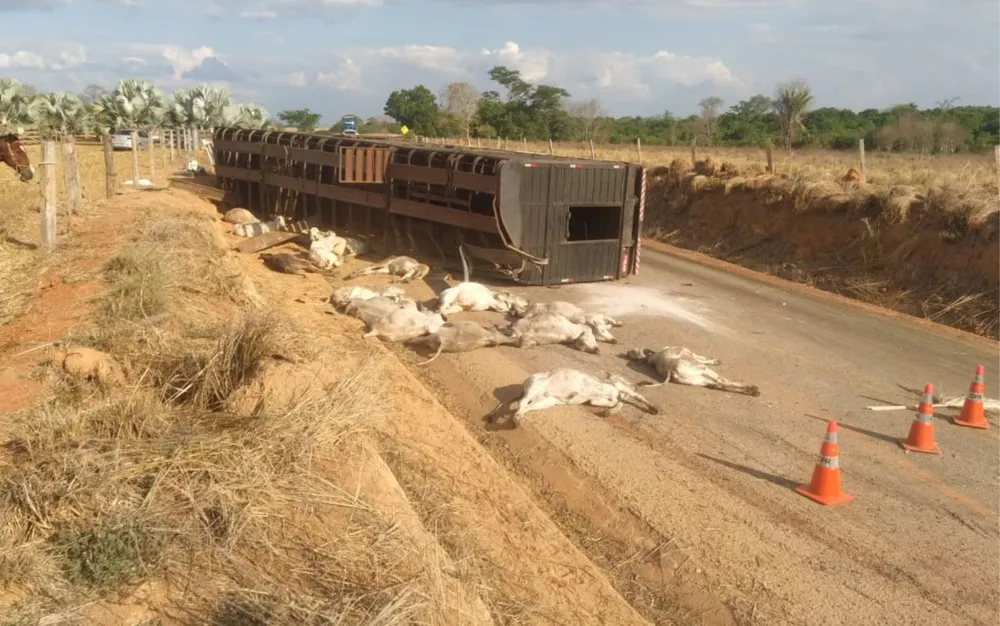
<point>350,125</point>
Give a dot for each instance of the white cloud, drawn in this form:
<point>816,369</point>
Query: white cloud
<point>183,60</point>
<point>258,15</point>
<point>346,76</point>
<point>296,79</point>
<point>274,38</point>
<point>613,76</point>
<point>22,60</point>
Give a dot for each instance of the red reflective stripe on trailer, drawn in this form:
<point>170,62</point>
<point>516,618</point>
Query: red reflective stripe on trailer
<point>642,215</point>
<point>530,165</point>
<point>566,280</point>
<point>609,278</point>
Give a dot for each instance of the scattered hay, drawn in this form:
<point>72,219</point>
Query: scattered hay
<point>138,279</point>
<point>19,267</point>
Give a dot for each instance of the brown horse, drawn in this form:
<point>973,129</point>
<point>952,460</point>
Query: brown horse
<point>13,154</point>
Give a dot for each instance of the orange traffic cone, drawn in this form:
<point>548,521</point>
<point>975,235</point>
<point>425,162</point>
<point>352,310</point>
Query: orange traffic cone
<point>921,437</point>
<point>972,411</point>
<point>825,485</point>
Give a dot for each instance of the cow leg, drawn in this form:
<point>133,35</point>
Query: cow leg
<point>409,234</point>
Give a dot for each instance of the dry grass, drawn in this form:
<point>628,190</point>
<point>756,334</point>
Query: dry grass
<point>976,171</point>
<point>102,496</point>
<point>20,261</point>
<point>168,484</point>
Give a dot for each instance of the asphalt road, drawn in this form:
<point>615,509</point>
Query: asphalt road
<point>714,471</point>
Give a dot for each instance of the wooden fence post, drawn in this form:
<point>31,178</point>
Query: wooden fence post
<point>861,153</point>
<point>171,139</point>
<point>593,154</point>
<point>109,167</point>
<point>48,186</point>
<point>506,143</point>
<point>694,151</point>
<point>638,148</point>
<point>524,143</point>
<point>770,158</point>
<point>996,155</point>
<point>69,172</point>
<point>152,156</point>
<point>135,158</point>
<point>479,143</point>
<point>551,151</point>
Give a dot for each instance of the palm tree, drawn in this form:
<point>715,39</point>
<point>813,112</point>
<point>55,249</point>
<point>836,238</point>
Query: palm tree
<point>64,115</point>
<point>60,114</point>
<point>249,116</point>
<point>791,102</point>
<point>133,103</point>
<point>16,108</point>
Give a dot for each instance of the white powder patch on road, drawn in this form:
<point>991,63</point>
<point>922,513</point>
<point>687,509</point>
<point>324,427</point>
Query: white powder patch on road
<point>619,300</point>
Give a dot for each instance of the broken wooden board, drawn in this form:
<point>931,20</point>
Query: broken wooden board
<point>267,240</point>
<point>198,188</point>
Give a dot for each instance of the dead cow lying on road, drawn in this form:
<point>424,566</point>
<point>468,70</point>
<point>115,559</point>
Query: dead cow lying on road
<point>600,323</point>
<point>461,337</point>
<point>404,324</point>
<point>469,296</point>
<point>371,310</point>
<point>544,390</point>
<point>403,267</point>
<point>343,294</point>
<point>545,328</point>
<point>680,365</point>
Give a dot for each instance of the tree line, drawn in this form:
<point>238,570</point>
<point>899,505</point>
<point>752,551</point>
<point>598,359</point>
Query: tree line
<point>133,104</point>
<point>537,112</point>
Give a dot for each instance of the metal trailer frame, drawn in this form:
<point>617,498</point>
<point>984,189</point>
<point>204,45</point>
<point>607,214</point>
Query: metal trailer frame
<point>537,219</point>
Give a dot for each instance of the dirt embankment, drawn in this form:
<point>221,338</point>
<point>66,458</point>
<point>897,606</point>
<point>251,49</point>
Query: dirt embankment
<point>205,444</point>
<point>931,254</point>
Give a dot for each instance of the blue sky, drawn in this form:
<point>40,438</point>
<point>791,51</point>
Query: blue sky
<point>638,57</point>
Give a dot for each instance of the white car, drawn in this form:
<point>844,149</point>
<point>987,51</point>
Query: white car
<point>122,139</point>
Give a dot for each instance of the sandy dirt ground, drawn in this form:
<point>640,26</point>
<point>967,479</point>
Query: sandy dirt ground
<point>709,480</point>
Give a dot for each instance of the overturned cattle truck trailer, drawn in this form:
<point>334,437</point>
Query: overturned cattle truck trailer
<point>537,219</point>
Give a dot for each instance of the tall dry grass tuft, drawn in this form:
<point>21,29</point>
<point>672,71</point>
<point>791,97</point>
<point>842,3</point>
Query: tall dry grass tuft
<point>102,496</point>
<point>208,379</point>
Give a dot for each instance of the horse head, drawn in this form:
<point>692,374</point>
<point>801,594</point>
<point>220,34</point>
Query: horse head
<point>14,155</point>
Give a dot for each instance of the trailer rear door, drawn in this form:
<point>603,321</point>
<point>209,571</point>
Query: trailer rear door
<point>583,242</point>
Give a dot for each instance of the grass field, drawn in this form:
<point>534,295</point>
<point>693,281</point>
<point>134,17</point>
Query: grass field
<point>884,169</point>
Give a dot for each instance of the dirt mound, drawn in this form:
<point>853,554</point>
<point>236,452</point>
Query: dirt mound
<point>933,255</point>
